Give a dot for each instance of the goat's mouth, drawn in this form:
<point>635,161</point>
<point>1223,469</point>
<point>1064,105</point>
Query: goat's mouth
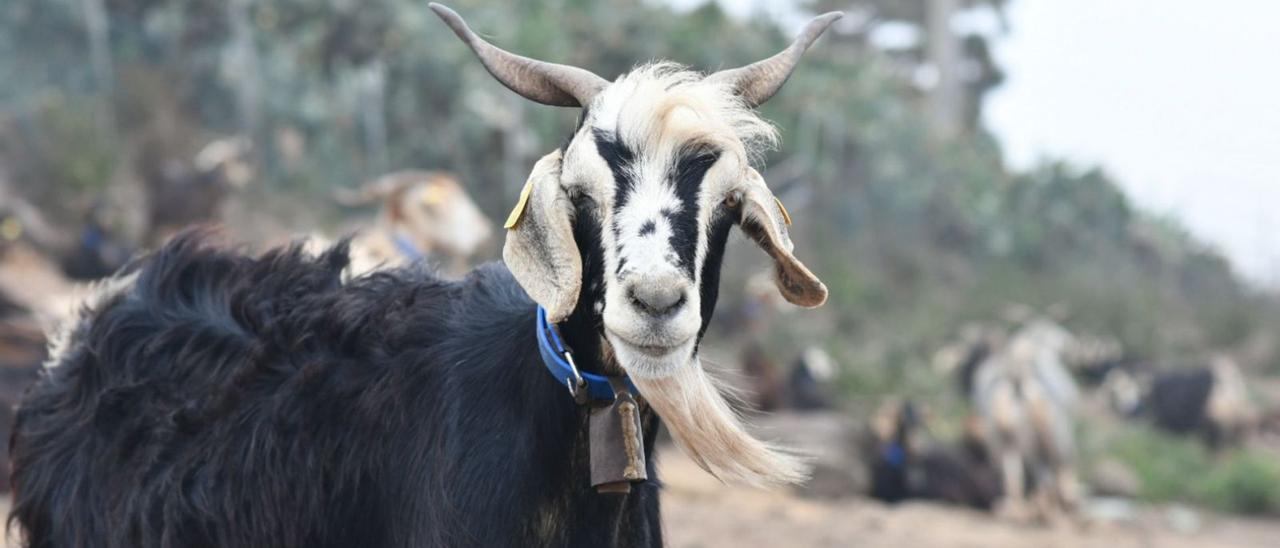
<point>653,349</point>
<point>656,351</point>
<point>650,357</point>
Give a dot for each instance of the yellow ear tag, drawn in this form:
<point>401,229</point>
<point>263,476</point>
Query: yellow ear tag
<point>785,216</point>
<point>433,195</point>
<point>518,212</point>
<point>11,228</point>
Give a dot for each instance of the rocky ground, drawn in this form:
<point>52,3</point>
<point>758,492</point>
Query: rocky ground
<point>700,512</point>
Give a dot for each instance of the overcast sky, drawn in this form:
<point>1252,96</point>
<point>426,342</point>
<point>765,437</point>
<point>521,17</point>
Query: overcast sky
<point>1179,100</point>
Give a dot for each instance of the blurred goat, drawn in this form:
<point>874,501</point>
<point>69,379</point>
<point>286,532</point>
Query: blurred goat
<point>423,215</point>
<point>809,385</point>
<point>1212,401</point>
<point>1025,402</point>
<point>905,465</point>
<point>88,252</point>
<point>180,193</point>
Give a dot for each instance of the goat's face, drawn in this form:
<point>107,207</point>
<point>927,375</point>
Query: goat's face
<point>626,225</point>
<point>439,216</point>
<point>656,177</point>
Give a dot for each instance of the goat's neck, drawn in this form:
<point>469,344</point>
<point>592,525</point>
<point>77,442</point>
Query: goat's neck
<point>583,333</point>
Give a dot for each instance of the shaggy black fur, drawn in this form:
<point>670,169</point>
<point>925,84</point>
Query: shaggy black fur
<point>234,401</point>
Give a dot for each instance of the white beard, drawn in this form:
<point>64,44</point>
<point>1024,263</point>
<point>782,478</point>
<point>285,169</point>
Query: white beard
<point>712,434</point>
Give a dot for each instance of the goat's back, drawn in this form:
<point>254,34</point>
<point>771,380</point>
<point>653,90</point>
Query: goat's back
<point>220,400</point>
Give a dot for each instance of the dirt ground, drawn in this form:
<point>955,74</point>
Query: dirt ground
<point>700,512</point>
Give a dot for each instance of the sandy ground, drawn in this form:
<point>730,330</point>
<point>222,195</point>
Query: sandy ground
<point>698,511</point>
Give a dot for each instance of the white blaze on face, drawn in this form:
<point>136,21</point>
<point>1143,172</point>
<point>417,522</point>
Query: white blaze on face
<point>644,227</point>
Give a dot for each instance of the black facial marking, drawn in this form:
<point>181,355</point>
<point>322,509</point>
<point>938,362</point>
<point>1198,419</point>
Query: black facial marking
<point>692,163</point>
<point>585,317</point>
<point>619,158</point>
<point>717,237</point>
<point>649,227</point>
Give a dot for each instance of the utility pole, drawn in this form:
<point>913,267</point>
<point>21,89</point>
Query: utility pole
<point>946,99</point>
<point>96,28</point>
<point>372,81</point>
<point>245,75</point>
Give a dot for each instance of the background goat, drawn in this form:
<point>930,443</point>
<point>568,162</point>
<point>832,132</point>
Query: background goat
<point>1212,401</point>
<point>422,214</point>
<point>1026,401</point>
<point>223,400</point>
<point>904,464</point>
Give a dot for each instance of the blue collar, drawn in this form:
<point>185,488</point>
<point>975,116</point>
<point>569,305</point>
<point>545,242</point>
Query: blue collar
<point>91,238</point>
<point>894,454</point>
<point>585,387</point>
<point>406,247</point>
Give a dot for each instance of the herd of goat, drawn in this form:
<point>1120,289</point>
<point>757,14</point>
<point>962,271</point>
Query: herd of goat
<point>347,395</point>
<point>1022,385</point>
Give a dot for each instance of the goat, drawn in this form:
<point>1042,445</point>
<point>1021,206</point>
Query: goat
<point>179,195</point>
<point>89,253</point>
<point>806,388</point>
<point>1212,401</point>
<point>904,466</point>
<point>223,400</point>
<point>424,214</point>
<point>809,385</point>
<point>1025,402</point>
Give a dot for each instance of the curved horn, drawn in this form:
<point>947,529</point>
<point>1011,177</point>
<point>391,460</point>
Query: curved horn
<point>546,83</point>
<point>757,82</point>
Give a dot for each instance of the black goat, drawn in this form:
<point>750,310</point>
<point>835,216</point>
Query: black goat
<point>903,466</point>
<point>222,400</point>
<point>229,401</point>
<point>1211,401</point>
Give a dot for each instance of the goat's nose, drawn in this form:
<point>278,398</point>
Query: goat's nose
<point>658,296</point>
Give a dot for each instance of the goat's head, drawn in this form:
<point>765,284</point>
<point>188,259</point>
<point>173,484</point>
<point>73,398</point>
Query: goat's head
<point>435,212</point>
<point>230,159</point>
<point>627,223</point>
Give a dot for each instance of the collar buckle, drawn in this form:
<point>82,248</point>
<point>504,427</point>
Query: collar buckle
<point>576,384</point>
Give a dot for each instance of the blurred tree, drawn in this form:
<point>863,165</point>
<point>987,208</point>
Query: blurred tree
<point>951,65</point>
<point>916,235</point>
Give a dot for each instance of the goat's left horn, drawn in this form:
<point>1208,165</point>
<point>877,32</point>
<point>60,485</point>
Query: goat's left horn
<point>540,81</point>
<point>757,82</point>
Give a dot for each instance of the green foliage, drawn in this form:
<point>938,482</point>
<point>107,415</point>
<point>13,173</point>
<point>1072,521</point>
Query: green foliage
<point>76,148</point>
<point>1247,482</point>
<point>1182,469</point>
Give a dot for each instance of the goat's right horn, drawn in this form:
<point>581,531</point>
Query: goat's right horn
<point>540,81</point>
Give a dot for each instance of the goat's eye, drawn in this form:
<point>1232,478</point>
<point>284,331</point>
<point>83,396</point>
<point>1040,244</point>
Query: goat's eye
<point>733,199</point>
<point>577,196</point>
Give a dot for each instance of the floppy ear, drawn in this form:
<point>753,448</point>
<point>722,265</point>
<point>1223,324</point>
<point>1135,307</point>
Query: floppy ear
<point>540,250</point>
<point>764,220</point>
